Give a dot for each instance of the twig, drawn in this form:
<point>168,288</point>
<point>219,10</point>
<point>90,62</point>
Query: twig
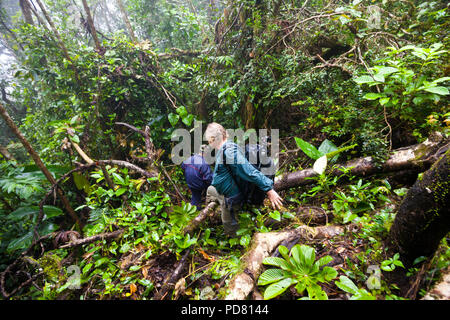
<point>151,154</point>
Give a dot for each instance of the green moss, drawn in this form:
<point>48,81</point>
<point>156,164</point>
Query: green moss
<point>51,265</point>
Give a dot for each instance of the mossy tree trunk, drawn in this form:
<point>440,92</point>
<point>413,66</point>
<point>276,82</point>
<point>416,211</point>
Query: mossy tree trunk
<point>423,218</point>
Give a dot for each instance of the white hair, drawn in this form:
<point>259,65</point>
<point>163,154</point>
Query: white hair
<point>215,131</point>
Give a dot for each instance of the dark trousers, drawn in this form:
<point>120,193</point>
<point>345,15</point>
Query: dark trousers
<point>196,198</point>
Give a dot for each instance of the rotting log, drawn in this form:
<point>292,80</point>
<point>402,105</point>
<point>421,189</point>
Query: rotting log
<point>263,244</point>
<point>418,157</point>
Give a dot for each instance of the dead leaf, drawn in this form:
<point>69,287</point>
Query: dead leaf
<point>133,288</point>
<point>144,271</point>
<point>180,287</point>
<point>205,255</point>
<point>340,250</point>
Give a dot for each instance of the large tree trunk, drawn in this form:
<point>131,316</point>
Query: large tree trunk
<point>90,22</point>
<point>423,218</point>
<point>418,157</point>
<point>26,11</point>
<point>126,20</point>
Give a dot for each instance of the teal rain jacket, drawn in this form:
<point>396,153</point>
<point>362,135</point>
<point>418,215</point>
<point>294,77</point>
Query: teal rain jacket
<point>229,179</point>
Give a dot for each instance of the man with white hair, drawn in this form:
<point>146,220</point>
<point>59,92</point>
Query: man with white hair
<point>231,174</point>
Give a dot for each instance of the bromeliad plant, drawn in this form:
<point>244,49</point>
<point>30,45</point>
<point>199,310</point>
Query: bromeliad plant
<point>297,267</point>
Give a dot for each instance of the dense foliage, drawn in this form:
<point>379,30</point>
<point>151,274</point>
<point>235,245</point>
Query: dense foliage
<point>364,77</point>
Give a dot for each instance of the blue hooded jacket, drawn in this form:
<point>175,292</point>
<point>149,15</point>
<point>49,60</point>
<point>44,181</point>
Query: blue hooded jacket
<point>197,172</point>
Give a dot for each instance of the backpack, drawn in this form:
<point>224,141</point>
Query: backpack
<point>255,195</point>
<point>252,193</point>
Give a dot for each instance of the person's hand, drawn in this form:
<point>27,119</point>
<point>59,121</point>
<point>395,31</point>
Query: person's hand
<point>275,199</point>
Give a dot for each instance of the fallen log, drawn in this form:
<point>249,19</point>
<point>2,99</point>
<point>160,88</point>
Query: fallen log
<point>263,244</point>
<point>101,236</point>
<point>418,157</point>
<point>208,210</point>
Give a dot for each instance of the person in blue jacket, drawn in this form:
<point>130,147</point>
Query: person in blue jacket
<point>198,176</point>
<point>231,172</point>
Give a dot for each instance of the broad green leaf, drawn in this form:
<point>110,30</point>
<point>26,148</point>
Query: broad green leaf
<point>308,148</point>
<point>173,118</point>
<point>384,100</point>
<point>372,96</point>
<point>182,111</point>
<point>300,286</point>
<point>49,211</point>
<point>315,292</point>
<point>120,191</point>
<point>81,182</point>
<point>277,262</point>
<point>364,79</point>
<point>441,79</point>
<point>284,252</point>
<point>362,294</point>
<point>101,261</point>
<point>329,273</point>
<point>443,91</point>
<point>271,275</point>
<point>379,77</point>
<point>277,288</point>
<point>327,146</point>
<point>304,254</point>
<point>347,285</point>
<point>20,243</point>
<point>385,70</point>
<point>118,178</point>
<point>275,215</point>
<point>187,120</point>
<point>23,212</point>
<point>324,260</point>
<point>75,139</point>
